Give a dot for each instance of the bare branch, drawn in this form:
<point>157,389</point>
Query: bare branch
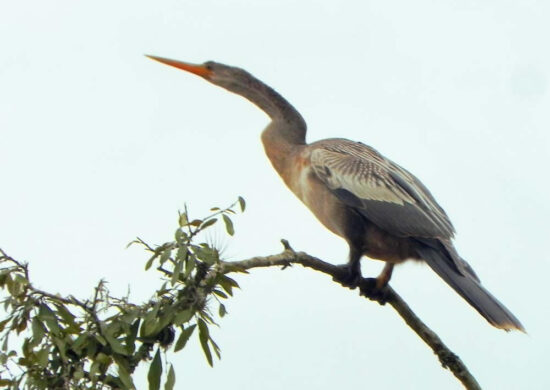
<point>288,257</point>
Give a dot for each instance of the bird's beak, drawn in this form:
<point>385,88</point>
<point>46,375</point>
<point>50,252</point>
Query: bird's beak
<point>199,70</point>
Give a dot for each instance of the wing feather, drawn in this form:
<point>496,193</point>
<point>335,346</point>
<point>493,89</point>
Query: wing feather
<point>386,194</point>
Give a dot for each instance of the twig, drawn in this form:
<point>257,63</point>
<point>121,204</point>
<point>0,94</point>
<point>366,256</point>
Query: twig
<point>288,257</point>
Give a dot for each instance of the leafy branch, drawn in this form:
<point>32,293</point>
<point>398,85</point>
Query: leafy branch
<point>68,343</point>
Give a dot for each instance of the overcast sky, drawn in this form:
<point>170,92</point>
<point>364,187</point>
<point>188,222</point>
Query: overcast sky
<point>100,144</point>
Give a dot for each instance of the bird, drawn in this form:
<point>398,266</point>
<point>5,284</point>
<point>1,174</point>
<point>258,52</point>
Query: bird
<point>380,209</point>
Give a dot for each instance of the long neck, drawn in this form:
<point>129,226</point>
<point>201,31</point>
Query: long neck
<point>290,126</point>
<point>286,133</point>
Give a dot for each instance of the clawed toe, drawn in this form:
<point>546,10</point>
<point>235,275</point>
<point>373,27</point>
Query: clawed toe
<point>350,276</point>
<point>374,289</point>
<point>369,288</point>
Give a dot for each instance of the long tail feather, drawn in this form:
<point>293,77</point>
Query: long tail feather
<point>471,290</point>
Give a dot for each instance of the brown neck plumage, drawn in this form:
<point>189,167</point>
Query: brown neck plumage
<point>287,123</point>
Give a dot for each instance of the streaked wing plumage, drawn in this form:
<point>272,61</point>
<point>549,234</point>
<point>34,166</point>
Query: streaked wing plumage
<point>386,194</point>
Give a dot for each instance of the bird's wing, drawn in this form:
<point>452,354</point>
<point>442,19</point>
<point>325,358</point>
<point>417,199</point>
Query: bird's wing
<point>386,194</point>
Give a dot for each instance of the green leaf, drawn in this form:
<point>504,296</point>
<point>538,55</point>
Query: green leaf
<point>150,262</point>
<point>208,222</point>
<point>80,343</point>
<point>132,243</point>
<point>206,254</point>
<point>150,322</point>
<point>220,294</point>
<point>166,317</point>
<point>65,313</point>
<point>155,370</point>
<point>216,348</point>
<point>227,283</point>
<point>222,310</point>
<point>207,318</point>
<point>3,324</point>
<point>242,203</point>
<point>116,345</point>
<point>230,281</point>
<point>179,235</point>
<point>204,336</point>
<point>21,279</point>
<point>183,219</point>
<point>181,253</point>
<point>131,336</point>
<point>129,315</point>
<point>61,346</point>
<point>184,337</point>
<point>170,379</point>
<point>101,364</point>
<point>189,266</point>
<point>94,369</point>
<point>48,316</point>
<point>78,374</point>
<point>125,377</point>
<point>42,357</point>
<point>195,222</point>
<point>183,316</point>
<point>12,288</point>
<point>16,286</point>
<point>100,339</point>
<point>38,331</point>
<point>228,225</point>
<point>68,317</point>
<point>165,255</point>
<point>149,327</point>
<point>177,271</point>
<point>91,347</point>
<point>22,325</point>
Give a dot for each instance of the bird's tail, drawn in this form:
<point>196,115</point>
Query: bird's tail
<point>470,289</point>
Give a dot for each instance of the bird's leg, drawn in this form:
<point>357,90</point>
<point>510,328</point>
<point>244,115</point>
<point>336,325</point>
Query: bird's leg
<point>385,276</point>
<point>351,274</point>
<point>375,288</point>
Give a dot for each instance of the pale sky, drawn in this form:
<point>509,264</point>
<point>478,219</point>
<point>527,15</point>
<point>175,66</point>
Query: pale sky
<point>100,144</point>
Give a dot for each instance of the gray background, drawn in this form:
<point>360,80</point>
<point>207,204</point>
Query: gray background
<point>99,144</point>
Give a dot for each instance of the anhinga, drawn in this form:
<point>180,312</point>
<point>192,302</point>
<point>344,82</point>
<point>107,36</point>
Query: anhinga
<point>380,209</point>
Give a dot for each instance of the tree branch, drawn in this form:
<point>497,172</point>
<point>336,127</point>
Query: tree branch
<point>447,358</point>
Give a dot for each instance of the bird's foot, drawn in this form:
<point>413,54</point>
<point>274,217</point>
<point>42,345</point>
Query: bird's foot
<point>372,289</point>
<point>350,276</point>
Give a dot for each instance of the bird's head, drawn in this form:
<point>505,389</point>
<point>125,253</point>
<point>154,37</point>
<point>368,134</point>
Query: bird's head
<point>242,83</point>
<point>225,76</point>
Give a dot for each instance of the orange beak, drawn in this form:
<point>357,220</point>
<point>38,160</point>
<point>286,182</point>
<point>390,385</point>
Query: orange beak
<point>199,70</point>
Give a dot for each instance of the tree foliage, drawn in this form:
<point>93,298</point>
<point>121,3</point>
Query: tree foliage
<point>97,343</point>
<point>68,343</point>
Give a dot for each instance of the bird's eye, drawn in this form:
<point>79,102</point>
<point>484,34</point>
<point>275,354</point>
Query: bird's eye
<point>209,65</point>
